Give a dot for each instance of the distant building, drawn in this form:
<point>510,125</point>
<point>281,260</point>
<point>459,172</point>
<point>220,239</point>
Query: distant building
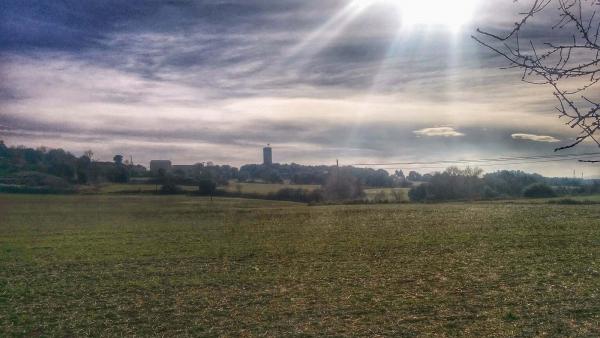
<point>157,165</point>
<point>267,155</point>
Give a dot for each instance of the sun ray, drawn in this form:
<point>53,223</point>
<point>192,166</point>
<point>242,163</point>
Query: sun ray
<point>322,36</point>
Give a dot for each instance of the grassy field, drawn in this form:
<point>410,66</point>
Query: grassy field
<point>119,188</point>
<point>246,188</point>
<point>265,188</point>
<point>118,265</point>
<point>387,194</point>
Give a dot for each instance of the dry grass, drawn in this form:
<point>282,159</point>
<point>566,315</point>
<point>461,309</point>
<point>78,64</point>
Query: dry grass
<point>245,188</point>
<point>176,265</point>
<point>265,188</point>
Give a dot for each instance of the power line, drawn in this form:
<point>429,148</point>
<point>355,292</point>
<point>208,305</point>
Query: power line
<point>502,163</point>
<point>485,160</point>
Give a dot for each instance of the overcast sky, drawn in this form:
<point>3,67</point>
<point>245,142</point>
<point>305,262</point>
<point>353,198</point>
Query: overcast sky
<point>194,81</point>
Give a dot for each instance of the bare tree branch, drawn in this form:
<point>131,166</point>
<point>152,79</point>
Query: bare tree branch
<point>576,59</point>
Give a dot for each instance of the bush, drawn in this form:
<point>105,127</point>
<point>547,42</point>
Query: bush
<point>570,201</point>
<point>490,193</point>
<point>418,193</point>
<point>207,186</point>
<point>342,186</point>
<point>169,189</point>
<point>380,197</point>
<point>37,179</point>
<point>539,190</point>
<point>24,189</point>
<point>297,195</point>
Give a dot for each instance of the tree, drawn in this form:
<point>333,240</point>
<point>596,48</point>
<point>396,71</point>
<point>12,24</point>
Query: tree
<point>119,174</point>
<point>570,64</point>
<point>539,190</point>
<point>83,166</point>
<point>509,183</point>
<point>61,163</point>
<point>118,159</point>
<point>341,185</point>
<point>207,186</point>
<point>169,188</point>
<point>3,149</point>
<point>400,174</point>
<point>414,176</point>
<point>452,184</point>
<point>89,154</point>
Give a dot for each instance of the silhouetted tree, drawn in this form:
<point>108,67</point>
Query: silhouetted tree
<point>89,154</point>
<point>118,159</point>
<point>83,169</point>
<point>414,176</point>
<point>3,149</point>
<point>207,186</point>
<point>400,174</point>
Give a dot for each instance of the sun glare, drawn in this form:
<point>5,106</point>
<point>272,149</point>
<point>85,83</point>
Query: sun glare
<point>452,14</point>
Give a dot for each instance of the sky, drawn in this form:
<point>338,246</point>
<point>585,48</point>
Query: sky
<point>362,81</point>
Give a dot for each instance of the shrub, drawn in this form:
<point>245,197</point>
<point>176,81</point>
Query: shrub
<point>539,190</point>
<point>418,193</point>
<point>37,179</point>
<point>342,186</point>
<point>207,186</point>
<point>169,189</point>
<point>24,189</point>
<point>297,195</point>
<point>380,197</point>
<point>570,201</point>
<point>398,196</point>
<point>490,193</point>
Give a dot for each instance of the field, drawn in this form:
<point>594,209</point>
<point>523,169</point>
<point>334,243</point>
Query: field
<point>117,265</point>
<point>264,189</point>
<point>234,187</point>
<point>387,194</point>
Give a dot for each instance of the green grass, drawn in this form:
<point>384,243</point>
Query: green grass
<point>246,188</point>
<point>115,188</point>
<point>387,194</point>
<point>591,198</point>
<point>264,188</point>
<point>117,265</point>
<point>579,198</point>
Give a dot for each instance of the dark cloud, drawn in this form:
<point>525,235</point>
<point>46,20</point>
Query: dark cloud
<point>160,77</point>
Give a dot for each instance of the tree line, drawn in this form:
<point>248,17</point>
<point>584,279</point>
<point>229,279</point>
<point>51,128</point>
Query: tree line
<point>56,170</point>
<point>471,184</point>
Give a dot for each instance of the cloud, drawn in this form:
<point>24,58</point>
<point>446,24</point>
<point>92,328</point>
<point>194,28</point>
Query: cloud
<point>439,131</point>
<point>536,138</point>
<point>217,79</point>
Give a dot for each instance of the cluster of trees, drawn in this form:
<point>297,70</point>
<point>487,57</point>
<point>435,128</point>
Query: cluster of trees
<point>221,174</point>
<point>470,184</point>
<point>340,186</point>
<point>302,174</point>
<point>57,167</point>
<point>54,162</point>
